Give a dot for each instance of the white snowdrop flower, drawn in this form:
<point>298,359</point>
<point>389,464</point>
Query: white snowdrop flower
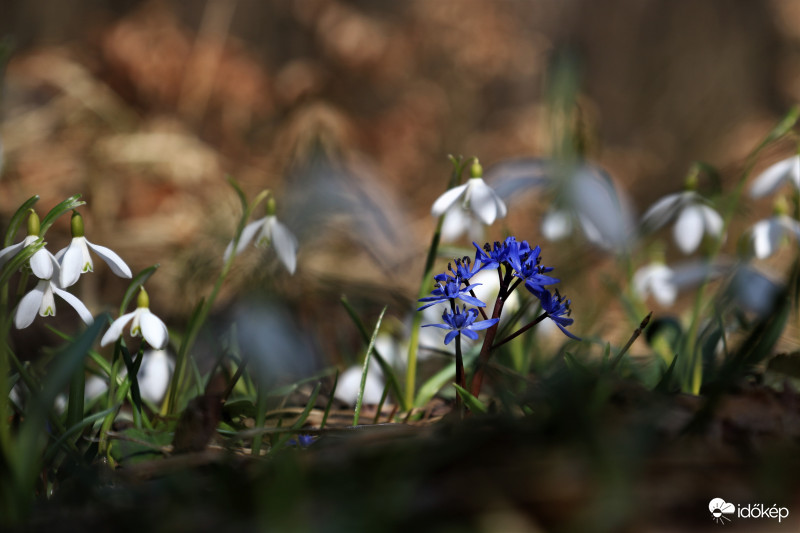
<point>143,323</point>
<point>75,259</point>
<point>41,300</point>
<point>487,292</point>
<point>693,219</point>
<point>42,261</point>
<point>468,204</point>
<point>270,231</point>
<point>154,374</point>
<point>768,234</point>
<point>776,175</point>
<point>349,384</point>
<point>556,225</point>
<point>656,279</point>
<point>458,221</point>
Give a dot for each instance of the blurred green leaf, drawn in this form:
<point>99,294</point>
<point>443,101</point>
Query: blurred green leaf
<point>473,403</point>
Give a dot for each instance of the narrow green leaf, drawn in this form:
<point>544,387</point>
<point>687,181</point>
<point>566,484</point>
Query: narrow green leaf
<point>386,368</point>
<point>77,428</point>
<point>472,403</point>
<point>17,219</point>
<point>434,384</point>
<point>67,205</point>
<point>67,362</point>
<point>312,400</point>
<point>330,401</point>
<point>365,368</point>
<point>783,127</point>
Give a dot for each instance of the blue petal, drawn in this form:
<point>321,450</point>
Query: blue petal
<point>450,336</point>
<point>484,324</point>
<point>471,300</point>
<point>443,326</point>
<point>567,333</point>
<point>469,333</point>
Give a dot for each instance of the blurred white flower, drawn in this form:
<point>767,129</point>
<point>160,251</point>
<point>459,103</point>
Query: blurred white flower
<point>768,234</point>
<point>603,212</point>
<point>349,384</point>
<point>144,323</point>
<point>154,374</point>
<point>75,259</point>
<point>458,221</point>
<point>656,279</point>
<point>693,219</point>
<point>774,176</point>
<point>270,231</point>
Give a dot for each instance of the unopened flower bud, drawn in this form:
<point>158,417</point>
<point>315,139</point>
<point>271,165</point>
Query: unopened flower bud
<point>476,170</point>
<point>34,225</point>
<point>76,223</point>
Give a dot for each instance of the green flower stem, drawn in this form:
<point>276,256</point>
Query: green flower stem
<point>261,414</point>
<point>424,287</point>
<point>170,405</point>
<point>77,386</point>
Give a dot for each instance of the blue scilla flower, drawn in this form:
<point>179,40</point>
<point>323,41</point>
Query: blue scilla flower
<point>527,266</point>
<point>463,321</point>
<point>449,289</point>
<point>558,310</point>
<point>492,256</point>
<point>464,269</point>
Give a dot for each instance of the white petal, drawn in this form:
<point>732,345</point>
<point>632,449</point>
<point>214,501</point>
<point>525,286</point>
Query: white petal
<point>71,263</point>
<point>42,264</point>
<point>556,225</point>
<point>76,304</point>
<point>349,385</point>
<point>663,210</point>
<point>247,235</point>
<point>7,253</point>
<point>153,329</point>
<point>48,305</point>
<point>115,331</point>
<point>154,375</point>
<point>285,246</point>
<point>769,180</point>
<point>766,237</point>
<point>456,222</point>
<point>482,201</point>
<point>713,221</point>
<point>688,230</point>
<point>29,305</point>
<point>114,261</point>
<point>446,200</point>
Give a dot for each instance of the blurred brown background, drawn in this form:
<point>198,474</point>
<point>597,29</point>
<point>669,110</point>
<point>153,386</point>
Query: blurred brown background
<point>348,110</point>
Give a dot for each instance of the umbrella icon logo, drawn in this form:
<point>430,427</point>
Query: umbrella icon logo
<point>719,508</point>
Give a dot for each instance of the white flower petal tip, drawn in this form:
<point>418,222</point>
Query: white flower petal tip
<point>775,175</point>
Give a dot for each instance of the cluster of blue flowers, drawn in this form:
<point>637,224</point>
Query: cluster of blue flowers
<point>516,263</point>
